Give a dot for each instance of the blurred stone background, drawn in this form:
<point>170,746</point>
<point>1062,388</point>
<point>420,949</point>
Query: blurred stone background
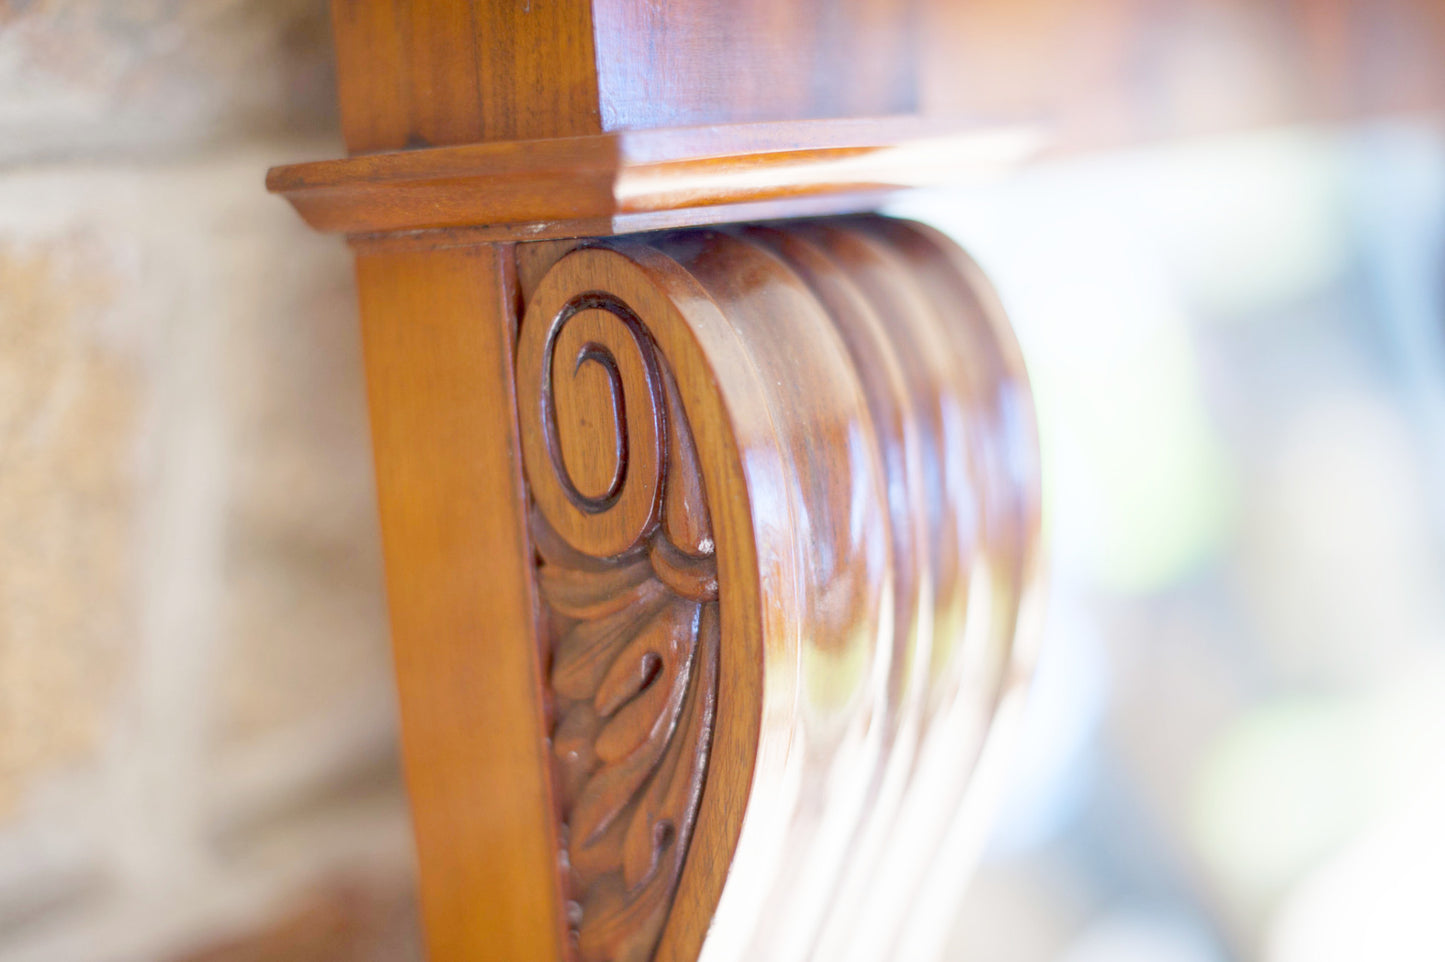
<point>196,714</point>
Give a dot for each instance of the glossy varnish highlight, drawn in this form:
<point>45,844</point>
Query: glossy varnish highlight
<point>818,434</point>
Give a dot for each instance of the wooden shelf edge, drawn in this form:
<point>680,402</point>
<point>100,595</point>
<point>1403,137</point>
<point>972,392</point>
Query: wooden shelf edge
<point>644,179</point>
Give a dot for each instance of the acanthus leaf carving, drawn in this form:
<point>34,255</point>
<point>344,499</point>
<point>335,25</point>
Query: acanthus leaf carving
<point>627,578</point>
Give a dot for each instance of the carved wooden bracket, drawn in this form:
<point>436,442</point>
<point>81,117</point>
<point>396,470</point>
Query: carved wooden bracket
<point>711,551</point>
<point>801,455</point>
<point>707,549</point>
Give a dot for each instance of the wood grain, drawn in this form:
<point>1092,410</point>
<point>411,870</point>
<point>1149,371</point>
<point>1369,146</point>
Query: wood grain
<point>573,118</point>
<point>736,61</point>
<point>460,585</point>
<point>582,185</point>
<point>705,582</point>
<point>421,73</point>
<point>779,568</point>
<point>885,403</point>
<point>866,478</point>
<point>628,573</point>
<point>710,583</point>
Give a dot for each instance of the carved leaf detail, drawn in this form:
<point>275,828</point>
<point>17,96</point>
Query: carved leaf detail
<point>633,635</point>
<point>634,692</point>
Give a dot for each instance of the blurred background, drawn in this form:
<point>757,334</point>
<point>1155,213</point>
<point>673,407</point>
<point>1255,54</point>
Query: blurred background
<point>1235,747</point>
<point>1235,324</point>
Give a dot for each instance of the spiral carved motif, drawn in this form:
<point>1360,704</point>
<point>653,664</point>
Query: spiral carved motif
<point>627,576</point>
<point>868,436</point>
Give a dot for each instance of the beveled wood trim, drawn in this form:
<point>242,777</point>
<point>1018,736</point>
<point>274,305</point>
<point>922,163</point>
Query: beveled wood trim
<point>580,184</point>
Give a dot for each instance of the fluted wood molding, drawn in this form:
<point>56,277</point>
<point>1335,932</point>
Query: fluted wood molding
<point>785,515</point>
<point>709,535</point>
<point>712,537</point>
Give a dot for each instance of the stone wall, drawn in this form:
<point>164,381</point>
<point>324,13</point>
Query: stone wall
<point>196,715</point>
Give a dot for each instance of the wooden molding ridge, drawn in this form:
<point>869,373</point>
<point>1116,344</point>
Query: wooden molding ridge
<point>613,183</point>
<point>783,497</point>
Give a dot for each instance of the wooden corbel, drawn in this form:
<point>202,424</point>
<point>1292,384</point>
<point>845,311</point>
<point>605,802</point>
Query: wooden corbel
<point>710,500</point>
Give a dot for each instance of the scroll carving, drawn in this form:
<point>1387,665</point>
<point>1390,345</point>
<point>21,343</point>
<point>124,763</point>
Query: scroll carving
<point>809,703</point>
<point>627,578</point>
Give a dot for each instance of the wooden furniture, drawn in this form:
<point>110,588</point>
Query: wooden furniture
<point>710,501</point>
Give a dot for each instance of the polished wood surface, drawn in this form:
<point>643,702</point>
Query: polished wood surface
<point>461,592</point>
<point>607,184</point>
<point>628,572</point>
<point>865,476</point>
<point>712,552</point>
<point>702,619</point>
<point>569,118</point>
<point>422,73</point>
<point>430,73</point>
<point>738,61</point>
<point>427,73</point>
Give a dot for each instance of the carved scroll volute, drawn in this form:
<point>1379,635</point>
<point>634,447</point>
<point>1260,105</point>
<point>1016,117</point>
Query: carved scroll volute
<point>610,379</point>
